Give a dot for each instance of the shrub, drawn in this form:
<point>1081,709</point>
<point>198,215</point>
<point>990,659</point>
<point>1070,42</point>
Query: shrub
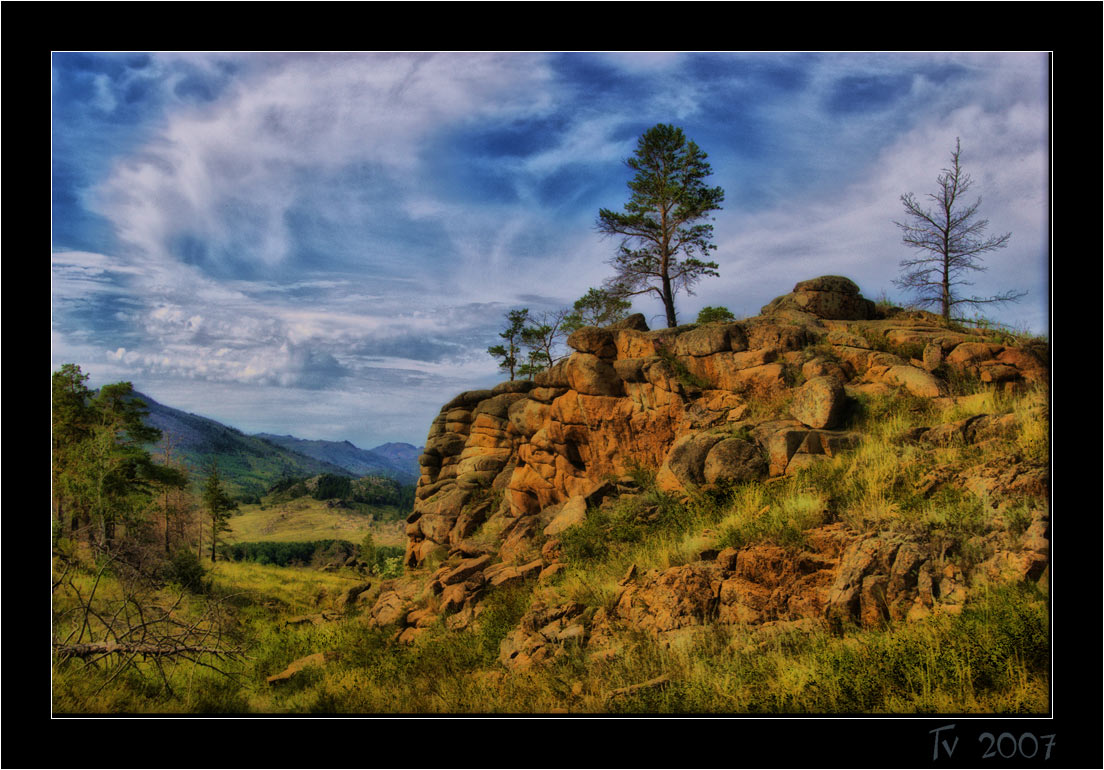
<point>283,554</point>
<point>710,314</point>
<point>186,569</point>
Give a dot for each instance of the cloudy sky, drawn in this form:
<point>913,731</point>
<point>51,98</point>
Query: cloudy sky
<point>326,244</point>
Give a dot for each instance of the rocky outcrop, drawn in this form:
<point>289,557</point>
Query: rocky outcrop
<point>830,296</point>
<point>629,395</point>
<point>508,470</point>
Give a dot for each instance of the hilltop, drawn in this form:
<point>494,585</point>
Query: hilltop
<point>828,464</point>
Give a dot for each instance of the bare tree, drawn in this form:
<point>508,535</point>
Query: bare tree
<point>951,240</point>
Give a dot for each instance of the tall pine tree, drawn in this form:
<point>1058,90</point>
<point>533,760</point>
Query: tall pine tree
<point>219,506</point>
<point>664,228</point>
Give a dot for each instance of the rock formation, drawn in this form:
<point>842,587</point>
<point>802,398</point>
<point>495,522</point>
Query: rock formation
<point>506,470</point>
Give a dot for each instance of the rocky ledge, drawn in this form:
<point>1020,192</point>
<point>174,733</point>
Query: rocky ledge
<point>522,462</point>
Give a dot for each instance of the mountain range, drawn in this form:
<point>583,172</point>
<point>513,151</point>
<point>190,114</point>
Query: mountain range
<point>250,464</point>
<point>397,460</point>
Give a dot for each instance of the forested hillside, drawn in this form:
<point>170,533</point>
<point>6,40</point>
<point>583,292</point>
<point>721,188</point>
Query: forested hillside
<point>248,464</point>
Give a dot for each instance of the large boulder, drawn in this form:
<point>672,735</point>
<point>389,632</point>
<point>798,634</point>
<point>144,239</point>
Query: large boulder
<point>734,460</point>
<point>685,464</point>
<point>593,376</point>
<point>635,322</point>
<point>830,296</point>
<point>707,339</point>
<point>590,339</point>
<point>675,598</point>
<point>820,402</point>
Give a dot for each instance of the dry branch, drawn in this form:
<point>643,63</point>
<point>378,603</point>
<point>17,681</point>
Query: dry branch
<point>89,649</point>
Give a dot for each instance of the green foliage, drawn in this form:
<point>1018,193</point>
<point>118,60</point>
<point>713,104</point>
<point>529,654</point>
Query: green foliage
<point>784,518</point>
<point>367,490</point>
<point>597,307</point>
<point>284,554</point>
<point>666,218</point>
<point>379,558</point>
<point>368,549</point>
<point>331,486</point>
<point>871,412</point>
<point>501,613</point>
<point>186,570</point>
<point>680,370</point>
<point>613,529</point>
<point>542,338</point>
<point>103,475</point>
<point>510,352</point>
<point>960,382</point>
<point>710,314</point>
<point>219,507</point>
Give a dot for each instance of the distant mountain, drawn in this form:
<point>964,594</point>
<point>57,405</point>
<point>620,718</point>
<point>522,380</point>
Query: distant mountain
<point>249,464</point>
<point>405,455</point>
<point>397,460</point>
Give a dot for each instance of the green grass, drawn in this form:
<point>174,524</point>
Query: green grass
<point>305,519</point>
<point>990,658</point>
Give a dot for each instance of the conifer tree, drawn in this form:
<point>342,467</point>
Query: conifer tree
<point>597,307</point>
<point>219,506</point>
<point>664,229</point>
<point>510,352</point>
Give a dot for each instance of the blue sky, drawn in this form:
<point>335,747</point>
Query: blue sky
<point>326,244</point>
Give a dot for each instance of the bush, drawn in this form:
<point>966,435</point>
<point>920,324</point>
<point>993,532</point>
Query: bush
<point>186,569</point>
<point>710,314</point>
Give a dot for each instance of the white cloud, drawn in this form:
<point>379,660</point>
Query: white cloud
<point>226,173</point>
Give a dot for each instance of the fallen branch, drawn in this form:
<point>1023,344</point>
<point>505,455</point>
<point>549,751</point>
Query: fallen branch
<point>659,683</point>
<point>88,649</point>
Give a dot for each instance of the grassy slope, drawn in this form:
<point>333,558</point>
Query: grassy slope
<point>306,519</point>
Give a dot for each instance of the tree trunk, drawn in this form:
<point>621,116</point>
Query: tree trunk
<point>669,300</point>
<point>946,294</point>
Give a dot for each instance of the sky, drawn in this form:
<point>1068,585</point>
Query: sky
<point>325,244</point>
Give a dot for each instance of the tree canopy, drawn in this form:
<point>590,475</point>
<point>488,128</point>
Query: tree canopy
<point>103,473</point>
<point>598,307</point>
<point>664,229</point>
<point>950,239</point>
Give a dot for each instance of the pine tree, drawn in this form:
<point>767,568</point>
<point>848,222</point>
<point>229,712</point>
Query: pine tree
<point>219,506</point>
<point>663,229</point>
<point>597,307</point>
<point>72,418</point>
<point>510,352</point>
